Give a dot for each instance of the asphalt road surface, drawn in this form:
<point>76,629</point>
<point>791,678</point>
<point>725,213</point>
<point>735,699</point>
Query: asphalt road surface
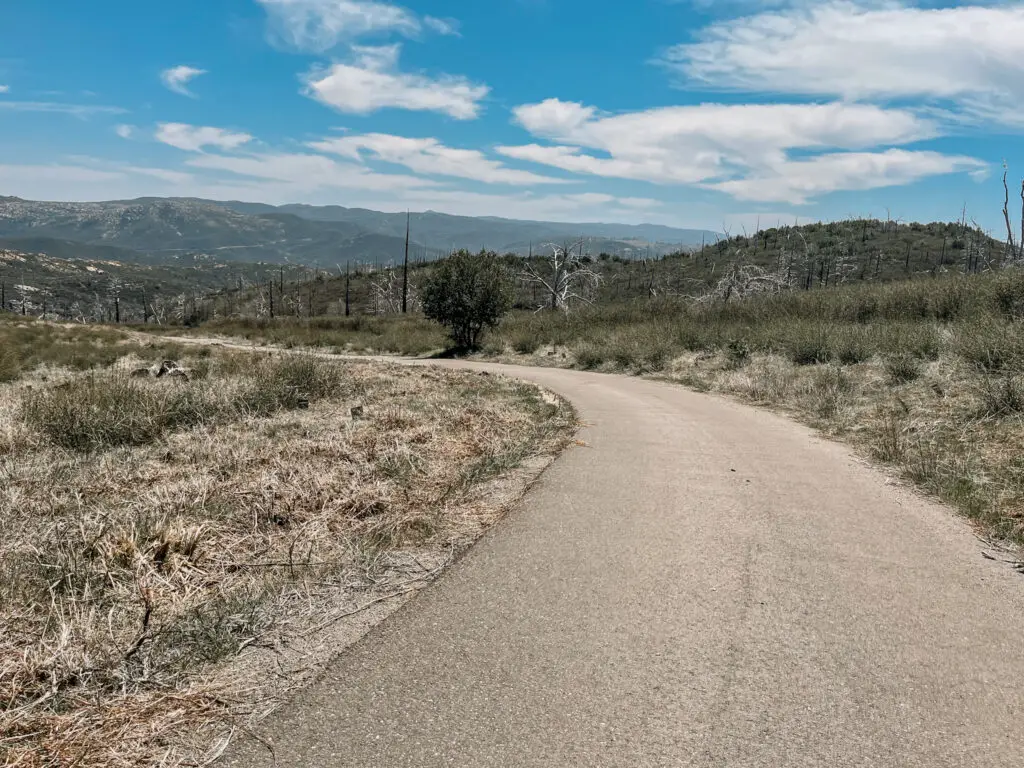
<point>700,584</point>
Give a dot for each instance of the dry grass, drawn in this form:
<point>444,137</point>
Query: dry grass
<point>150,575</point>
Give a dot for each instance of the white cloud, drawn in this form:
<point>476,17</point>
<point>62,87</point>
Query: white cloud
<point>178,78</point>
<point>5,89</point>
<point>81,111</point>
<point>125,131</point>
<point>371,81</point>
<point>442,26</point>
<point>745,150</point>
<point>971,54</point>
<point>662,170</point>
<point>796,181</point>
<point>308,172</point>
<point>685,145</point>
<point>319,25</point>
<point>194,138</point>
<point>430,157</point>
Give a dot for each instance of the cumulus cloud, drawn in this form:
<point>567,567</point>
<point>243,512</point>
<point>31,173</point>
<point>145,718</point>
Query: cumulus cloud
<point>429,156</point>
<point>371,81</point>
<point>5,89</point>
<point>194,138</point>
<point>972,55</point>
<point>178,78</point>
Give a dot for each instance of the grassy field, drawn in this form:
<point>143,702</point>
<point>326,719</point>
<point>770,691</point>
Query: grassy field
<point>925,375</point>
<point>175,552</point>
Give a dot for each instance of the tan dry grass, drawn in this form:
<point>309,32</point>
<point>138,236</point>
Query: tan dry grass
<point>146,591</point>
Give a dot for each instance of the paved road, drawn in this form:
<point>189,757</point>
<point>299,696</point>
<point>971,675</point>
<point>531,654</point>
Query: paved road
<point>703,584</point>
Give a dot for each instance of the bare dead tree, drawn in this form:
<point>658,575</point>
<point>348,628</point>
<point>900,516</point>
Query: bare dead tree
<point>1010,247</point>
<point>391,294</point>
<point>565,276</point>
<point>741,281</point>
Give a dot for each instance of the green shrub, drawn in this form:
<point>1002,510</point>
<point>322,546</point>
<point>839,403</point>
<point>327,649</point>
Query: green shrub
<point>808,348</point>
<point>737,353</point>
<point>590,356</point>
<point>526,342</point>
<point>850,345</point>
<point>902,369</point>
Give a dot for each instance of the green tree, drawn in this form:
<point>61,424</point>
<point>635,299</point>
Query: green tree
<point>468,293</point>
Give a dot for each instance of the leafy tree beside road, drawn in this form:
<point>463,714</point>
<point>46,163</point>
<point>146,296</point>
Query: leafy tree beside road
<point>467,294</point>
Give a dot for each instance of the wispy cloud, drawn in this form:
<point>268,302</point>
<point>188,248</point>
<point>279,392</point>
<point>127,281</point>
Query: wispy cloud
<point>194,138</point>
<point>371,81</point>
<point>308,172</point>
<point>5,89</point>
<point>81,111</point>
<point>797,181</point>
<point>319,25</point>
<point>430,157</point>
<point>178,78</point>
<point>769,152</point>
<point>446,26</point>
<point>125,131</point>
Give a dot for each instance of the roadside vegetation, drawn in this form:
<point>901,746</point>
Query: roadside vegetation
<point>176,551</point>
<point>904,340</point>
<point>927,376</point>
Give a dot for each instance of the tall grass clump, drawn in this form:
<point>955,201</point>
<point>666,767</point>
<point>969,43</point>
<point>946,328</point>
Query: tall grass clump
<point>101,411</point>
<point>98,412</point>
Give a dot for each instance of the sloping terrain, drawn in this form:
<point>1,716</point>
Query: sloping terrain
<point>98,289</point>
<point>161,230</point>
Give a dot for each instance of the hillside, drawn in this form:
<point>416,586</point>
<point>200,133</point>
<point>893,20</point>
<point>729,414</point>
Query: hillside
<point>442,231</point>
<point>810,256</point>
<point>161,231</point>
<point>96,290</point>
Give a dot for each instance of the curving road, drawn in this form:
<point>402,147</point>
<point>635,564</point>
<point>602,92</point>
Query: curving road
<point>701,584</point>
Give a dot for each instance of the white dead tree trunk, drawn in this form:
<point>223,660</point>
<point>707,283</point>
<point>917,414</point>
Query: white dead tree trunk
<point>386,292</point>
<point>565,276</point>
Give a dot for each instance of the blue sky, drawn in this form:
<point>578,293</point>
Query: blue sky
<point>683,112</point>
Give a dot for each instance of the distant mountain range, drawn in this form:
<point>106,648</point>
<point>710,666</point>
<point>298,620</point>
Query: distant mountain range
<point>169,231</point>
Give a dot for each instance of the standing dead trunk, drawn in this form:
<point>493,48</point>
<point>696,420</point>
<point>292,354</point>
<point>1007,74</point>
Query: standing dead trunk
<point>1010,249</point>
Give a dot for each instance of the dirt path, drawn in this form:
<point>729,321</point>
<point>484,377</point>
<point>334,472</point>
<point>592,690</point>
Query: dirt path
<point>701,584</point>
